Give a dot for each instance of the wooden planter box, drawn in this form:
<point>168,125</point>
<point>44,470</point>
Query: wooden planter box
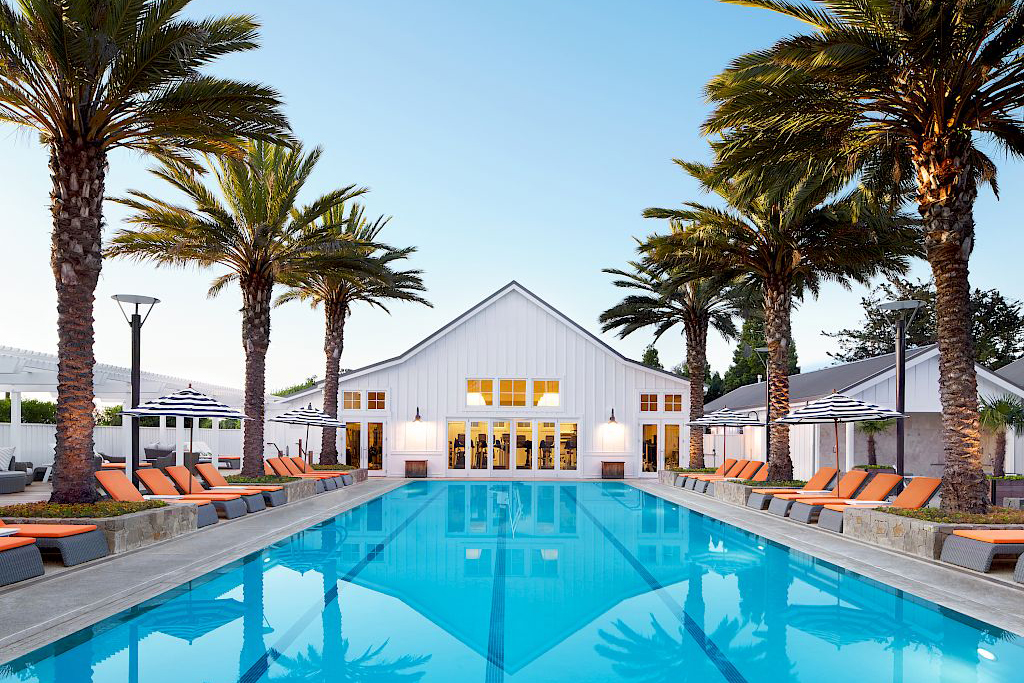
<point>613,470</point>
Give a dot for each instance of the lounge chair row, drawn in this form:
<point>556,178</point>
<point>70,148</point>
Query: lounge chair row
<point>730,469</point>
<point>214,497</point>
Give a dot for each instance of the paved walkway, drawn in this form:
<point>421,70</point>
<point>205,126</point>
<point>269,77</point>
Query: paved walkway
<point>969,593</point>
<point>34,613</point>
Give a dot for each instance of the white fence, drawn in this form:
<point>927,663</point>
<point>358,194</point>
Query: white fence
<point>37,440</point>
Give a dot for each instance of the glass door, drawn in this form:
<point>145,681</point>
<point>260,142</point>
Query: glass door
<point>502,445</point>
<point>525,460</point>
<point>546,447</point>
<point>673,445</point>
<point>479,448</point>
<point>353,444</point>
<point>567,447</point>
<point>649,449</point>
<point>375,448</point>
<point>457,446</point>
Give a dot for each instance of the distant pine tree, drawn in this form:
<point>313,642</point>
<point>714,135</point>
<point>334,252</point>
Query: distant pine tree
<point>651,359</point>
<point>746,366</point>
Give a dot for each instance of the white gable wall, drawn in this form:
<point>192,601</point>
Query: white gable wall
<point>513,337</point>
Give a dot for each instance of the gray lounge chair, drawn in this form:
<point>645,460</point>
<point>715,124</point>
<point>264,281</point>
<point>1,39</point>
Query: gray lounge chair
<point>19,560</point>
<point>76,543</point>
<point>975,554</point>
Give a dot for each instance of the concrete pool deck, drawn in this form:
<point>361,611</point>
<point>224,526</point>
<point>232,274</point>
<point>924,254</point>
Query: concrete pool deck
<point>37,612</point>
<point>990,600</point>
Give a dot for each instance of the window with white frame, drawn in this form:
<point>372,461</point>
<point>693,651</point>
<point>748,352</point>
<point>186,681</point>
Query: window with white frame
<point>352,400</point>
<point>546,393</point>
<point>375,400</point>
<point>673,403</point>
<point>512,393</point>
<point>648,403</point>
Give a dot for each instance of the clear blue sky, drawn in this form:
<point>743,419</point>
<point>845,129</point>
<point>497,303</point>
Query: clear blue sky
<point>514,140</point>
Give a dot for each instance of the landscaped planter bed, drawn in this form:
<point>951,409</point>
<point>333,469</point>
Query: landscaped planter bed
<point>131,531</point>
<point>732,492</point>
<point>908,535</point>
<point>296,489</point>
<point>358,475</point>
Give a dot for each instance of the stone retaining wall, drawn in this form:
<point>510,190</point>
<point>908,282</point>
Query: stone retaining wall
<point>905,534</point>
<point>731,492</point>
<point>135,530</point>
<point>297,490</point>
<point>666,477</point>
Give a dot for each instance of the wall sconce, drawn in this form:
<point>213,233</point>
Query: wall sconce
<point>417,418</point>
<point>611,419</point>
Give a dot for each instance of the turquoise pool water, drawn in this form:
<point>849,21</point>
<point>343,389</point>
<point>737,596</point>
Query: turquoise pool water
<point>542,581</point>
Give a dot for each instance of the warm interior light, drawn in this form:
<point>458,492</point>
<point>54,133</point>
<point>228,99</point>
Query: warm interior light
<point>548,400</point>
<point>475,398</point>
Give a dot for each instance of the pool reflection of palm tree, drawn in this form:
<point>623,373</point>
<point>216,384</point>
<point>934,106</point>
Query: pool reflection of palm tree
<point>333,662</point>
<point>253,647</point>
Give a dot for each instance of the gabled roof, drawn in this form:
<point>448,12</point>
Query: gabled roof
<point>512,286</point>
<point>808,386</point>
<point>1013,372</point>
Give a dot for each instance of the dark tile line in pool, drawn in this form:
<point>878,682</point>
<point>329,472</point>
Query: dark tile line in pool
<point>496,633</point>
<point>711,650</point>
<point>256,671</point>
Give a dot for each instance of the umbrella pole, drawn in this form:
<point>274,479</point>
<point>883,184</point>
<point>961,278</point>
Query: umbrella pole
<point>307,445</point>
<point>839,469</point>
<point>191,446</point>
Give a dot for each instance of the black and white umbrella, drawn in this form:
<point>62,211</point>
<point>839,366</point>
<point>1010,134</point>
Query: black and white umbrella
<point>836,408</point>
<point>724,417</point>
<point>186,403</point>
<point>309,416</point>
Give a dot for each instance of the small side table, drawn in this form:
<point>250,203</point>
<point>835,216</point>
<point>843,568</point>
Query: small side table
<point>415,469</point>
<point>613,470</point>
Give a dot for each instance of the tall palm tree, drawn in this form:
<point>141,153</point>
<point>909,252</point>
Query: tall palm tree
<point>898,90</point>
<point>248,221</point>
<point>785,241</point>
<point>92,77</point>
<point>338,288</point>
<point>998,414</point>
<point>662,302</point>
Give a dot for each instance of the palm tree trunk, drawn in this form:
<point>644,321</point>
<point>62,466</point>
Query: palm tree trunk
<point>334,343</point>
<point>999,459</point>
<point>778,305</point>
<point>256,295</point>
<point>77,172</point>
<point>696,360</point>
<point>872,454</point>
<point>946,194</point>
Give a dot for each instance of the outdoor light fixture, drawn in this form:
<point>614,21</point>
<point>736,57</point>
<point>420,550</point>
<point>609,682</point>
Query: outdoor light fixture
<point>417,418</point>
<point>135,321</point>
<point>900,314</point>
<point>612,418</point>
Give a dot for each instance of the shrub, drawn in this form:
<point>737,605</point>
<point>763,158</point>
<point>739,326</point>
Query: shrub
<point>698,470</point>
<point>103,508</point>
<point>995,515</point>
<point>1008,477</point>
<point>795,483</point>
<point>873,467</point>
<point>259,479</point>
<point>332,468</point>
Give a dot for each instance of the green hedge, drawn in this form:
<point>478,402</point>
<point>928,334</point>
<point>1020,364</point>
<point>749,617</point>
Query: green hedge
<point>794,483</point>
<point>1008,477</point>
<point>103,508</point>
<point>698,470</point>
<point>995,515</point>
<point>337,467</point>
<point>873,467</point>
<point>260,479</point>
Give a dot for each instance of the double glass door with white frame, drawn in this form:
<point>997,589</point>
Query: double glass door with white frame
<point>364,446</point>
<point>512,447</point>
<point>661,446</point>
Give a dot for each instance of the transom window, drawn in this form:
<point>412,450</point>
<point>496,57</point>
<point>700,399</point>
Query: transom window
<point>512,392</point>
<point>479,392</point>
<point>673,403</point>
<point>352,400</point>
<point>545,393</point>
<point>375,400</point>
<point>648,403</point>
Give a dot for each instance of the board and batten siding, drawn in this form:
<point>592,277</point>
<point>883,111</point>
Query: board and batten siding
<point>511,335</point>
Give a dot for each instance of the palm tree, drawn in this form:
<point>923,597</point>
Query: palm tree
<point>998,414</point>
<point>249,223</point>
<point>899,90</point>
<point>92,77</point>
<point>871,429</point>
<point>787,240</point>
<point>664,302</point>
<point>337,289</point>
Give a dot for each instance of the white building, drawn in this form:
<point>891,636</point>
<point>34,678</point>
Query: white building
<point>872,380</point>
<point>512,387</point>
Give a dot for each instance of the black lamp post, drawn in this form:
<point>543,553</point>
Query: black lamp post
<point>901,314</point>
<point>762,353</point>
<point>135,320</point>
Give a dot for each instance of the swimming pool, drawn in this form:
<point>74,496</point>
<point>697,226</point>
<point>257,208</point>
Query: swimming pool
<point>537,581</point>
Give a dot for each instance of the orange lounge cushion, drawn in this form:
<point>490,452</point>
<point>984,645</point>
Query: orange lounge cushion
<point>52,530</point>
<point>774,491</point>
<point>190,501</point>
<point>839,507</point>
<point>796,495</point>
<point>993,535</point>
<point>823,500</point>
<point>211,496</point>
<point>8,542</point>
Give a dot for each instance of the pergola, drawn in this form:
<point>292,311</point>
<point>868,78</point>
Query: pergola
<point>29,372</point>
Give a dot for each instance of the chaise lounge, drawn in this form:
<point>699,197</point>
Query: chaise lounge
<point>188,485</point>
<point>976,548</point>
<point>303,467</point>
<point>683,479</point>
<point>229,505</point>
<point>845,489</point>
<point>880,487</point>
<point>272,495</point>
<point>748,471</point>
<point>19,560</point>
<point>119,487</point>
<point>699,482</point>
<point>759,498</point>
<point>76,543</point>
<point>916,495</point>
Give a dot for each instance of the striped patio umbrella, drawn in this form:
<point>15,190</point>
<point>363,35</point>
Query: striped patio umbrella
<point>723,417</point>
<point>309,416</point>
<point>186,403</point>
<point>836,408</point>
